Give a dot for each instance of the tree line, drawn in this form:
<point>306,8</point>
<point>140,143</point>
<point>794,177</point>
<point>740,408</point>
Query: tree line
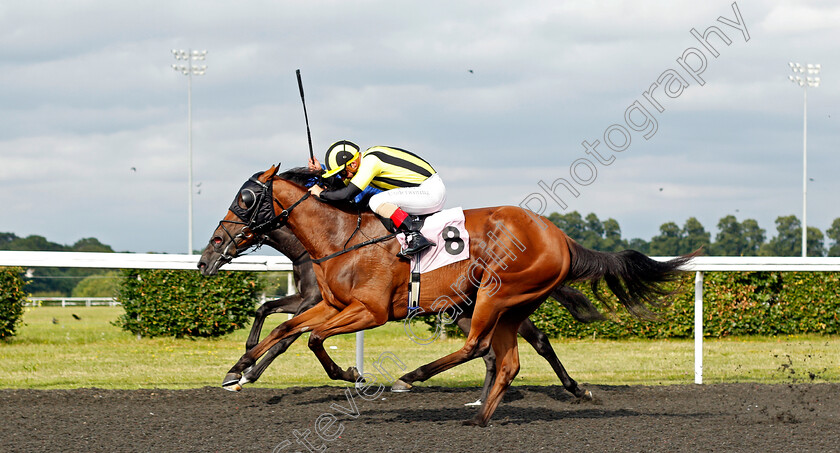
<point>734,238</point>
<point>48,281</point>
<point>81,282</point>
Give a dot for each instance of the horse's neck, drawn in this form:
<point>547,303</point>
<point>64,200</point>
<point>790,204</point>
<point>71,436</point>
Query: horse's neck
<point>321,228</point>
<point>285,242</point>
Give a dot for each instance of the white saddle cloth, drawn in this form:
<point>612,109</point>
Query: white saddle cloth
<point>447,230</point>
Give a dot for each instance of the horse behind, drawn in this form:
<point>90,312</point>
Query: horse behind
<point>218,253</point>
<point>516,260</point>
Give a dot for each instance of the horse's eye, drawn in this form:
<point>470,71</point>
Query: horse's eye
<point>217,240</point>
<point>247,198</point>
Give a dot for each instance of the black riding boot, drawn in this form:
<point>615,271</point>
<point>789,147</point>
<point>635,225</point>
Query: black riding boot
<point>415,241</point>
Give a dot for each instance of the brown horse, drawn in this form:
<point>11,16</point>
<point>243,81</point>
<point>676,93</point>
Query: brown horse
<point>220,250</point>
<point>516,260</point>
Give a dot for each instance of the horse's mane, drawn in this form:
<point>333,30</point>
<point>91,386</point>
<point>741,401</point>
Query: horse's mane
<point>306,178</point>
<point>301,176</point>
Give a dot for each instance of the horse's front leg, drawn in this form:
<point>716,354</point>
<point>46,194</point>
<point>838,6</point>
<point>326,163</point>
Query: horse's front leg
<point>289,304</point>
<point>333,370</point>
<point>315,316</point>
<point>353,318</point>
<point>253,373</point>
<point>292,304</point>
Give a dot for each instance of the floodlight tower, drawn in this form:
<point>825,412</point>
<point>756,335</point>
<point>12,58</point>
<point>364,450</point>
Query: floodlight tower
<point>188,68</point>
<point>809,78</point>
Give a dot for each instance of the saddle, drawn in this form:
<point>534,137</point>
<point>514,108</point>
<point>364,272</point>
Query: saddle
<point>447,230</point>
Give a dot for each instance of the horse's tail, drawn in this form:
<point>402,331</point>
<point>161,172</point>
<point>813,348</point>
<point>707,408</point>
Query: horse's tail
<point>635,279</point>
<point>579,306</point>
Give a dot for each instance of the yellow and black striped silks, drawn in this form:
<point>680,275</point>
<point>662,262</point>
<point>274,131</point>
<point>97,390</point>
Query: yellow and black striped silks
<point>390,168</point>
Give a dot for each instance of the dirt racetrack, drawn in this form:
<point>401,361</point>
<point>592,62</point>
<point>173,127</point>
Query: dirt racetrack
<point>722,417</point>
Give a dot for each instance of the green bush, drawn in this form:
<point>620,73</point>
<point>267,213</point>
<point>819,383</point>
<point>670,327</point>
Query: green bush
<point>734,303</point>
<point>12,297</point>
<point>184,303</point>
<point>676,320</point>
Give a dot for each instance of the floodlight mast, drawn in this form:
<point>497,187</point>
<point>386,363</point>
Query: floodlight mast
<point>809,78</point>
<point>188,57</point>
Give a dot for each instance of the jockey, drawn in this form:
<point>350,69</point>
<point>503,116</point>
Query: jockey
<point>360,199</point>
<point>410,186</point>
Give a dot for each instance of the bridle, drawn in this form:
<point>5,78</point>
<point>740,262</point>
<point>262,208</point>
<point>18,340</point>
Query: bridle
<point>257,217</point>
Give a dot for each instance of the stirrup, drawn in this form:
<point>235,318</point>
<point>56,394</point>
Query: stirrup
<point>416,243</point>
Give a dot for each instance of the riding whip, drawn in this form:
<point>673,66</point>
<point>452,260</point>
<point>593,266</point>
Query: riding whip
<point>305,116</point>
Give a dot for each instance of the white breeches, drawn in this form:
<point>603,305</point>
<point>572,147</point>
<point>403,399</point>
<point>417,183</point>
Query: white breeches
<point>426,198</point>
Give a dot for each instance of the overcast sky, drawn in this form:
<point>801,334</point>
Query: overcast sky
<point>497,95</point>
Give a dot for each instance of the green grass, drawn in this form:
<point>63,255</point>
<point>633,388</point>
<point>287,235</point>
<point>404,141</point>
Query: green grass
<point>93,353</point>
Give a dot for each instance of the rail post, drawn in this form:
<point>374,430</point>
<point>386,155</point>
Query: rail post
<point>698,327</point>
<point>360,354</point>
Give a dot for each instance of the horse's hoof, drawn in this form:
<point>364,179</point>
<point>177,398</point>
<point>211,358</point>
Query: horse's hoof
<point>233,382</point>
<point>474,422</point>
<point>355,373</point>
<point>400,386</point>
<point>474,403</point>
<point>586,397</point>
<point>235,387</point>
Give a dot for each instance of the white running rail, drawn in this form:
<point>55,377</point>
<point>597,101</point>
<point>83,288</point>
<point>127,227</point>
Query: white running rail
<point>137,261</point>
<point>742,263</point>
<point>271,263</point>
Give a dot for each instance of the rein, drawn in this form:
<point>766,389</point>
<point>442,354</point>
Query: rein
<point>255,228</point>
<point>279,218</point>
<point>284,216</point>
<point>357,246</point>
<point>259,229</point>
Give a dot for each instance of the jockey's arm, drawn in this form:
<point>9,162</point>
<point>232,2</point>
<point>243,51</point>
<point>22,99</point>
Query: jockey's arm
<point>348,192</point>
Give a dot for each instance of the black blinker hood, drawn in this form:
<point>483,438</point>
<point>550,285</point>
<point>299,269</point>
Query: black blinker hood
<point>261,210</point>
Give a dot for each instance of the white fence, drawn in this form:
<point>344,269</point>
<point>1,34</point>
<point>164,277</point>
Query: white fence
<point>71,301</point>
<point>269,263</point>
<point>137,261</point>
<point>743,263</point>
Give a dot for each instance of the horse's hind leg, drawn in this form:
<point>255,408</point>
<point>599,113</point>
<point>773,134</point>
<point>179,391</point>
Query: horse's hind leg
<point>489,364</point>
<point>478,344</point>
<point>507,366</point>
<point>419,374</point>
<point>539,340</point>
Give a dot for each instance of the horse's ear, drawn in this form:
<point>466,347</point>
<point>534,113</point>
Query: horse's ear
<point>273,171</point>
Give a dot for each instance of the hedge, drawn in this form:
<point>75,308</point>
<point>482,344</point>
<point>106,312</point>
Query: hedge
<point>12,297</point>
<point>185,303</point>
<point>734,303</point>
